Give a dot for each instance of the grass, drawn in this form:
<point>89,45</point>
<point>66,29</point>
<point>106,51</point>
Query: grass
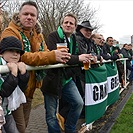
<point>37,98</point>
<point>124,122</point>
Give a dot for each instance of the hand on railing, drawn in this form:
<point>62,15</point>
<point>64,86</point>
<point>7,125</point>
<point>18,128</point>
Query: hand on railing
<point>120,56</point>
<point>62,55</point>
<point>4,68</point>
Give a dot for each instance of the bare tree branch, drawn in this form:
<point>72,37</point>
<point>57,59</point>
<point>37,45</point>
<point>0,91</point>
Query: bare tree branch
<point>52,11</point>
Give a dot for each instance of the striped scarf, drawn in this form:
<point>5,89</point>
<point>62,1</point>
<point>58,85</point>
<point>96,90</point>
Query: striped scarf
<point>40,74</point>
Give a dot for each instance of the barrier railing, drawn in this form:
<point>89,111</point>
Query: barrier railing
<point>4,69</point>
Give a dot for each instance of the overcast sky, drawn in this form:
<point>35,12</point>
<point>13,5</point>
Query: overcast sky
<point>116,17</point>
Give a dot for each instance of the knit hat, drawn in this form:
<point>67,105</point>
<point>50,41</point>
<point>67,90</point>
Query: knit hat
<point>84,24</point>
<point>11,43</point>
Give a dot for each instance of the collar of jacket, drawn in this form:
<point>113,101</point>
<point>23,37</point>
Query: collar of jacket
<point>60,32</point>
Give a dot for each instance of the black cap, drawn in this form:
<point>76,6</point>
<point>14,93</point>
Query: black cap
<point>84,24</point>
<point>10,43</point>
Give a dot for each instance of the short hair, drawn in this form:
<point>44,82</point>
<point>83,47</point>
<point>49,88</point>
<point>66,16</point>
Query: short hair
<point>108,38</point>
<point>31,3</point>
<point>130,44</point>
<point>124,45</point>
<point>70,15</point>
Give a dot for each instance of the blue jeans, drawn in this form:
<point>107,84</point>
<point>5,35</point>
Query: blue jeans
<point>10,125</point>
<point>70,94</point>
<point>51,108</point>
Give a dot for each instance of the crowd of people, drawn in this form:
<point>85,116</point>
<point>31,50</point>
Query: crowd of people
<point>22,43</point>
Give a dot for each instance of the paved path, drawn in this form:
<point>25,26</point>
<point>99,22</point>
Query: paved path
<point>37,123</point>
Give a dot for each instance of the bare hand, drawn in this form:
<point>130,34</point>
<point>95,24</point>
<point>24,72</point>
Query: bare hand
<point>13,68</point>
<point>62,55</point>
<point>21,67</point>
<point>101,60</point>
<point>120,56</point>
<point>85,58</point>
<point>116,51</point>
<point>94,59</point>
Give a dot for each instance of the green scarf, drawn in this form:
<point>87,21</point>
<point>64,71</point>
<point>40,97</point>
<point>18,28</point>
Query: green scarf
<point>70,43</point>
<point>98,50</point>
<point>7,112</point>
<point>40,74</point>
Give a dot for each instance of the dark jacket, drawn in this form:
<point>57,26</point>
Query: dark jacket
<point>52,83</point>
<point>11,82</point>
<point>87,46</point>
<point>126,54</point>
<point>131,52</point>
<point>110,54</point>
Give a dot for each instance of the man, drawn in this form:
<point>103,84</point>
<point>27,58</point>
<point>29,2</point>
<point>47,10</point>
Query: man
<point>111,52</point>
<point>97,43</point>
<point>127,54</point>
<point>68,92</point>
<point>85,45</point>
<point>22,27</point>
<point>83,34</point>
<point>131,53</point>
<point>130,49</point>
<point>102,40</point>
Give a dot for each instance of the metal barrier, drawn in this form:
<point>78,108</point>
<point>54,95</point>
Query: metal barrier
<point>4,68</point>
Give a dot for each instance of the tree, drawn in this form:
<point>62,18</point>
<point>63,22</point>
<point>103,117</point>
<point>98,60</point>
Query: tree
<point>52,11</point>
<point>7,9</point>
<point>2,3</point>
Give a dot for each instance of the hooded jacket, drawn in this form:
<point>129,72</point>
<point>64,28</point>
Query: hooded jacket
<point>34,57</point>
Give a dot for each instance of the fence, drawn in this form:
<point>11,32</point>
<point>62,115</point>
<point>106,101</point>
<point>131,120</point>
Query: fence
<point>4,69</point>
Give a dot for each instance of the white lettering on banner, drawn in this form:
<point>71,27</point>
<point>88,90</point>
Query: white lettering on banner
<point>113,83</point>
<point>95,93</point>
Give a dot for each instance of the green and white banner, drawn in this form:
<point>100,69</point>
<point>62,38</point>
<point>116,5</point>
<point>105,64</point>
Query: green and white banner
<point>95,93</point>
<point>112,82</point>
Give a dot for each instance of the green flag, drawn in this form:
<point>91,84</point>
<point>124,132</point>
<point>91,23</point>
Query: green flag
<point>95,93</point>
<point>112,82</point>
